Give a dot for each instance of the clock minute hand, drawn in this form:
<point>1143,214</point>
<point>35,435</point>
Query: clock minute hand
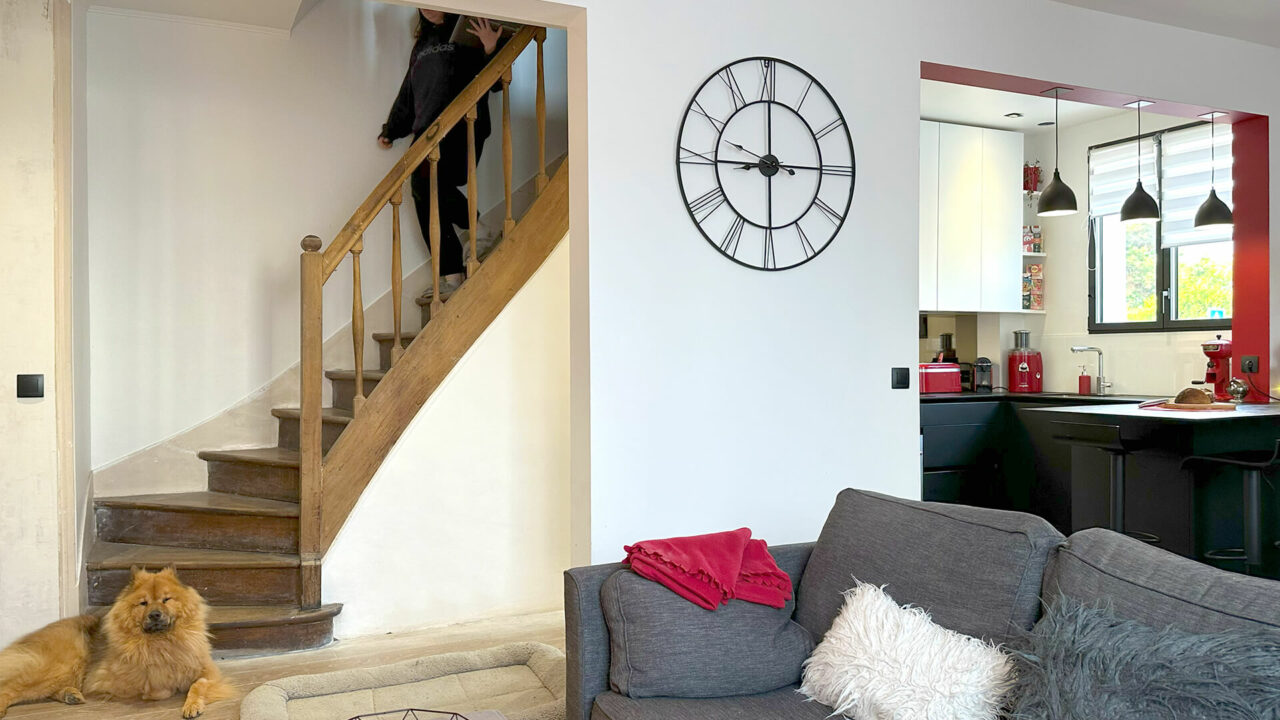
<point>735,145</point>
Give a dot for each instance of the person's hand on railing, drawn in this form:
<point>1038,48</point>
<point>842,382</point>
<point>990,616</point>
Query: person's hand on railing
<point>487,32</point>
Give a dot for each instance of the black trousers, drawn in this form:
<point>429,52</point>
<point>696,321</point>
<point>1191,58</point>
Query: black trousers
<point>451,174</point>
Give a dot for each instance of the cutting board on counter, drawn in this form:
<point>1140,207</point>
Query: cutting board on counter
<point>1194,407</point>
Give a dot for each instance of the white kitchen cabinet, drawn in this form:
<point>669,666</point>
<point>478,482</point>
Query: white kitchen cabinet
<point>1002,159</point>
<point>970,218</point>
<point>928,215</point>
<point>959,217</point>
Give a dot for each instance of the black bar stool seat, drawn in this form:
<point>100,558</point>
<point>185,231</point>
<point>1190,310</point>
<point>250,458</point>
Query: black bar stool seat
<point>1252,465</point>
<point>1107,439</point>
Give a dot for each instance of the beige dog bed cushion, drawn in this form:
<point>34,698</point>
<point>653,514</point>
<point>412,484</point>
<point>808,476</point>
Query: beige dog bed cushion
<point>524,681</point>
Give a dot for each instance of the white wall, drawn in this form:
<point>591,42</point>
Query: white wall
<point>212,151</point>
<point>29,532</point>
<point>468,517</point>
<point>722,396</point>
<point>1137,363</point>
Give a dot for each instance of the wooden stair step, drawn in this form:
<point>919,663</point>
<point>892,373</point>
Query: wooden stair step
<point>332,422</point>
<point>270,473</point>
<point>205,520</point>
<point>239,630</point>
<point>344,385</point>
<point>424,306</point>
<point>221,576</point>
<point>386,341</point>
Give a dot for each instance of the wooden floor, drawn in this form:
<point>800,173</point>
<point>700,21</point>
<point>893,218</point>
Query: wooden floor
<point>362,652</point>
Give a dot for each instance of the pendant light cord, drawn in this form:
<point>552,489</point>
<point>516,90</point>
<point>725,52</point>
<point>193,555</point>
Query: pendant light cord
<point>1056,128</point>
<point>1213,170</point>
<point>1139,143</point>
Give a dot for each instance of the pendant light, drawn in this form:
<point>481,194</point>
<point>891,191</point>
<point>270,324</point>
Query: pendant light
<point>1213,212</point>
<point>1139,207</point>
<point>1057,198</point>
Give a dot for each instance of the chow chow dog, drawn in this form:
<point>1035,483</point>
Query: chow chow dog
<point>152,643</point>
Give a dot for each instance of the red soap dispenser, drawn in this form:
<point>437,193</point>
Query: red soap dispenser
<point>1026,368</point>
<point>1085,382</point>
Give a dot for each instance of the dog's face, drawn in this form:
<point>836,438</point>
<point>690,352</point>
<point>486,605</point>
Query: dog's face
<point>156,603</point>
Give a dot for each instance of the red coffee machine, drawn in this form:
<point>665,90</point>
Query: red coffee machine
<point>1218,371</point>
<point>1026,369</point>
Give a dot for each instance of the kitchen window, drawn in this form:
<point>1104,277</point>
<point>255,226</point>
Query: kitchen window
<point>1167,275</point>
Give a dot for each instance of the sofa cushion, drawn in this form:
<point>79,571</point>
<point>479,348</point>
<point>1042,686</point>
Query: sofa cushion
<point>1084,662</point>
<point>663,645</point>
<point>880,660</point>
<point>781,704</point>
<point>974,570</point>
<point>1158,588</point>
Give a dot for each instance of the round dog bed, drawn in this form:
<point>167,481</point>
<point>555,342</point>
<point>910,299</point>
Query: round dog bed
<point>524,681</point>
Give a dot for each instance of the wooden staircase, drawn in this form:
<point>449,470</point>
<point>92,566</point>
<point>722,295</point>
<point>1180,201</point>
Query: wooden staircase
<point>253,542</point>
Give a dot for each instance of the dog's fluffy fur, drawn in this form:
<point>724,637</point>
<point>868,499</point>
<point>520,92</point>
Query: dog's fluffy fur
<point>152,643</point>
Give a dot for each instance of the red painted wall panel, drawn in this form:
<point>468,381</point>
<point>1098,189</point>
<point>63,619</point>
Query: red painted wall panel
<point>1251,302</point>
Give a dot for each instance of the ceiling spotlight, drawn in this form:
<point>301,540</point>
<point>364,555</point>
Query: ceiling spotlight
<point>1014,115</point>
<point>1046,123</point>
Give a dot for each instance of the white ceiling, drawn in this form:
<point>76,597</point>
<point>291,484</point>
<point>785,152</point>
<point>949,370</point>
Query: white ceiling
<point>272,14</point>
<point>1253,20</point>
<point>968,105</point>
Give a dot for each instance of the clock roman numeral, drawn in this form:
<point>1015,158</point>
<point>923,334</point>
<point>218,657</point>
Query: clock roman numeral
<point>838,170</point>
<point>828,128</point>
<point>804,95</point>
<point>693,157</point>
<point>716,124</point>
<point>731,238</point>
<point>770,258</point>
<point>735,91</point>
<point>707,203</point>
<point>805,245</point>
<point>828,211</point>
<point>768,80</point>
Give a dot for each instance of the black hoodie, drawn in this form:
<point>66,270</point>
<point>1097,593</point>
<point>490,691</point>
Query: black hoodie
<point>438,71</point>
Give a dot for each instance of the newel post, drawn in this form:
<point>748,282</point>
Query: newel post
<point>311,484</point>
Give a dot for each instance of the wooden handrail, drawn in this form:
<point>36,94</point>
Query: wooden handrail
<point>498,68</point>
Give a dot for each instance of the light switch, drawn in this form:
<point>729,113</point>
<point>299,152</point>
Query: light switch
<point>31,386</point>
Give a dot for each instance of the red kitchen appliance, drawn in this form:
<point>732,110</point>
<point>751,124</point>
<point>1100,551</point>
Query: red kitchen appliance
<point>1218,372</point>
<point>939,377</point>
<point>1026,368</point>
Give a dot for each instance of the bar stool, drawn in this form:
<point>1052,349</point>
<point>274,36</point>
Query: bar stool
<point>1106,438</point>
<point>1252,465</point>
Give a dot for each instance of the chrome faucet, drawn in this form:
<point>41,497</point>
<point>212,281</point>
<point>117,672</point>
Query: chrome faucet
<point>1102,380</point>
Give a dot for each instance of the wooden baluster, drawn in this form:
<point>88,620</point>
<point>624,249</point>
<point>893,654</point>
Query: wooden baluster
<point>357,323</point>
<point>508,224</point>
<point>434,234</point>
<point>311,399</point>
<point>542,116</point>
<point>473,263</point>
<point>397,275</point>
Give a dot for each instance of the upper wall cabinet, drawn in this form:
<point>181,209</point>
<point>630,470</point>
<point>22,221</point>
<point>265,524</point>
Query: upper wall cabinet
<point>970,218</point>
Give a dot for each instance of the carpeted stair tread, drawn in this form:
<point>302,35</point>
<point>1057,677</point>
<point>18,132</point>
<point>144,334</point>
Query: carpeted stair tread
<point>122,556</point>
<point>406,336</point>
<point>202,502</point>
<point>369,375</point>
<point>337,416</point>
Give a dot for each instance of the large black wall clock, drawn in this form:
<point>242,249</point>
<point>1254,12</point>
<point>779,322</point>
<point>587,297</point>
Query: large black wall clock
<point>765,163</point>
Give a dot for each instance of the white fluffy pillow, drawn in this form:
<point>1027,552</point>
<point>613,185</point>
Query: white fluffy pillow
<point>880,660</point>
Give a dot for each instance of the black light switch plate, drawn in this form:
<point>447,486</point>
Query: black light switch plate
<point>1249,364</point>
<point>901,379</point>
<point>31,386</point>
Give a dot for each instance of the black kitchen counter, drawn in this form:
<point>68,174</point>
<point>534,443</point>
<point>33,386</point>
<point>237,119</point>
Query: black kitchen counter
<point>1053,398</point>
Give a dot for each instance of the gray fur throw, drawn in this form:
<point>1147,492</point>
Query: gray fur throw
<point>1083,662</point>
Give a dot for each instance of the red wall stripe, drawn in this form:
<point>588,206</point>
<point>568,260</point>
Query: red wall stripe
<point>1251,198</point>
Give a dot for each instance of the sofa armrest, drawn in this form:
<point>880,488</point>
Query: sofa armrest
<point>587,636</point>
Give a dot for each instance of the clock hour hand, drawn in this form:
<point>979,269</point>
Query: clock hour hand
<point>735,145</point>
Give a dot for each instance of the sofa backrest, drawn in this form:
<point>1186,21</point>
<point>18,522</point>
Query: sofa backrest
<point>1158,588</point>
<point>976,571</point>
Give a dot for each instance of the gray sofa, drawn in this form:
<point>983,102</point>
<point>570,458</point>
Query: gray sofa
<point>977,571</point>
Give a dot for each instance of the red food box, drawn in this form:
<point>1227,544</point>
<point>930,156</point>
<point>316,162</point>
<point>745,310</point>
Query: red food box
<point>939,378</point>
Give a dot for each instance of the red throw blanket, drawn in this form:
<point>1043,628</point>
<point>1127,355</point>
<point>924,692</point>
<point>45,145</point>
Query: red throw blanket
<point>710,570</point>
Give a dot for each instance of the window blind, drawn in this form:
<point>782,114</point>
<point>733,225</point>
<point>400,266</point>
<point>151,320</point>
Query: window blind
<point>1186,167</point>
<point>1113,171</point>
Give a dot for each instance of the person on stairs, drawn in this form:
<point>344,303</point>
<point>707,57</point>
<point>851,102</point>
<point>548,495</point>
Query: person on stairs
<point>438,71</point>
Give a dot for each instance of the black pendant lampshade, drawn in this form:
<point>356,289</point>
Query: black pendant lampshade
<point>1057,198</point>
<point>1213,211</point>
<point>1139,207</point>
